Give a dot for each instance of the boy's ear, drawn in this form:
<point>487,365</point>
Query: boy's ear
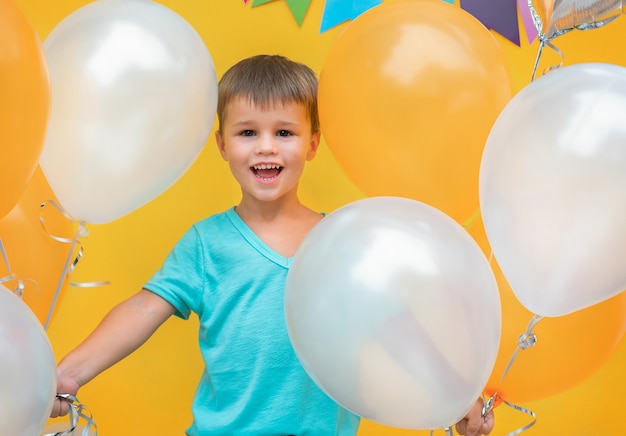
<point>220,144</point>
<point>315,144</point>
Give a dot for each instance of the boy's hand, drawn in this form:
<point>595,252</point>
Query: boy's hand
<point>474,423</point>
<point>65,385</point>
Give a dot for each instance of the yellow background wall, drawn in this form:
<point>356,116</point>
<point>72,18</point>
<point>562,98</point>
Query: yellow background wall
<point>150,393</point>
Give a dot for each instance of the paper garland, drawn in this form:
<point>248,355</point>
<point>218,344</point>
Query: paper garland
<point>298,7</point>
<point>338,11</point>
<point>498,15</point>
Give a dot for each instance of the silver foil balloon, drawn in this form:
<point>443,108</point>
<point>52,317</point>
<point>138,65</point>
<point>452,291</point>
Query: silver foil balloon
<point>553,18</point>
<point>568,15</point>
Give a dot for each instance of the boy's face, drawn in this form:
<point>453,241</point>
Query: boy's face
<point>266,149</point>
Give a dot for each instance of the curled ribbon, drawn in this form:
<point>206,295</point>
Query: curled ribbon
<point>77,411</point>
<point>524,410</point>
<point>70,264</point>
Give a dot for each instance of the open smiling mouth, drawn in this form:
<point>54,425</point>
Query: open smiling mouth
<point>266,172</point>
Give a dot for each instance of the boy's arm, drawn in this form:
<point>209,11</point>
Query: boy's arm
<point>124,329</point>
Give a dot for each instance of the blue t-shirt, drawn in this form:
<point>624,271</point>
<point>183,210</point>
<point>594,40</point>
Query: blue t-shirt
<point>253,383</point>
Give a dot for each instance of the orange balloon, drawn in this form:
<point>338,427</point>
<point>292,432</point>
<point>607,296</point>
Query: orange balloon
<point>34,256</point>
<point>569,348</point>
<point>25,103</point>
<point>407,96</point>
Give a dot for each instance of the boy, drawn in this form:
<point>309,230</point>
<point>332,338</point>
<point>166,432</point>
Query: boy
<point>230,270</point>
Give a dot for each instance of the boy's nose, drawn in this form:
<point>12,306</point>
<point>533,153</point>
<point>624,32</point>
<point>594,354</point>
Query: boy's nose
<point>266,144</point>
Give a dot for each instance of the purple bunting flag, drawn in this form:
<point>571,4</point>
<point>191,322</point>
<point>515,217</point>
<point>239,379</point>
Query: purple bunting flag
<point>498,15</point>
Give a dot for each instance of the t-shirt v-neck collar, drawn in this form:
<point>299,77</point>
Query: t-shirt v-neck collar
<point>255,241</point>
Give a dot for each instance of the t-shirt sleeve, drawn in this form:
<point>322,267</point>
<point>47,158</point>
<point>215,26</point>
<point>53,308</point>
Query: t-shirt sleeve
<point>180,281</point>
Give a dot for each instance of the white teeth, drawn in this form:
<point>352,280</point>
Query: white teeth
<point>266,167</point>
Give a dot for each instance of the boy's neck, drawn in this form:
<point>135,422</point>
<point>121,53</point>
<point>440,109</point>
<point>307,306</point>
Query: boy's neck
<point>281,226</point>
<point>252,210</point>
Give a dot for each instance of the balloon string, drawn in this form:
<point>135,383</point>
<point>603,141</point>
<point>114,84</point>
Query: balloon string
<point>546,42</point>
<point>77,411</point>
<point>468,222</point>
<point>488,404</point>
<point>69,265</point>
<point>72,259</point>
<point>19,287</point>
<point>543,41</point>
<point>525,340</point>
<point>448,430</point>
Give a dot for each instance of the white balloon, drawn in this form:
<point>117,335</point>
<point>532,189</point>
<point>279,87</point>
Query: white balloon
<point>394,311</point>
<point>134,97</point>
<point>553,189</point>
<point>27,369</point>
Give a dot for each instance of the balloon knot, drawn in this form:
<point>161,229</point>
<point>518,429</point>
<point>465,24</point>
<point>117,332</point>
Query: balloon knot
<point>489,404</point>
<point>526,340</point>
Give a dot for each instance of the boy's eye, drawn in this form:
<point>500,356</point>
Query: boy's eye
<point>283,133</point>
<point>247,132</point>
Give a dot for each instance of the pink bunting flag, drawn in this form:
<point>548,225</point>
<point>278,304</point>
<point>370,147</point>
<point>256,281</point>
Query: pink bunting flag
<point>527,19</point>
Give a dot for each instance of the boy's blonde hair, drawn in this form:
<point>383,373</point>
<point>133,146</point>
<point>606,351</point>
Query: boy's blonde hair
<point>266,80</point>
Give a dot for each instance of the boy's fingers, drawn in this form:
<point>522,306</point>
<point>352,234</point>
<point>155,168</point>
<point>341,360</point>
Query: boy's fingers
<point>488,423</point>
<point>474,422</point>
<point>475,425</point>
<point>59,408</point>
<point>460,427</point>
